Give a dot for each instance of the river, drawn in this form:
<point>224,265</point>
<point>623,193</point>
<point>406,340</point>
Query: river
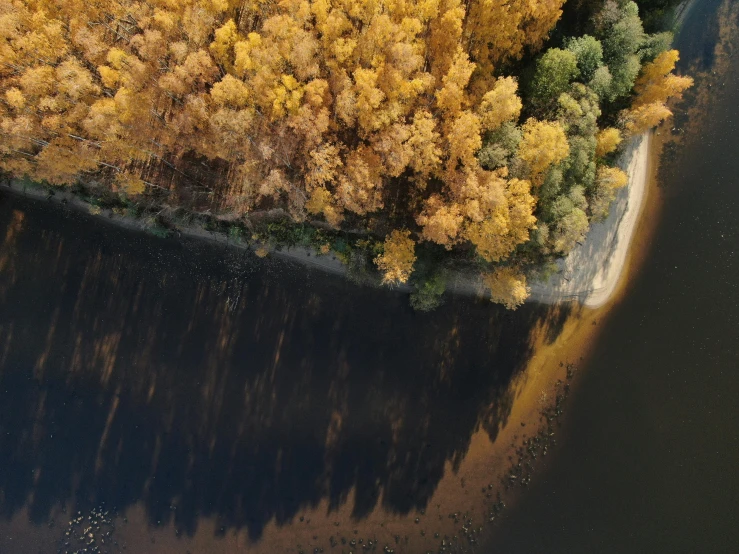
<point>162,395</point>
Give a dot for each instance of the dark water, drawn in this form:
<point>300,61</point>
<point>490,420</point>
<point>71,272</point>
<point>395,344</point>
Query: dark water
<point>649,460</point>
<point>200,382</point>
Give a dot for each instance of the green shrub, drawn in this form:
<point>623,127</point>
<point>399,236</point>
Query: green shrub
<point>428,292</point>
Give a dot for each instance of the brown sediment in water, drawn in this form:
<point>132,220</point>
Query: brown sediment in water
<point>459,506</point>
<point>465,493</point>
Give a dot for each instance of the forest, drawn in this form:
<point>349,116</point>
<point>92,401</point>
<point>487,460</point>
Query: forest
<point>436,132</point>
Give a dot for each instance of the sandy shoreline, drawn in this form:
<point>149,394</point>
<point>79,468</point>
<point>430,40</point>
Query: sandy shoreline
<point>592,271</point>
<point>590,274</point>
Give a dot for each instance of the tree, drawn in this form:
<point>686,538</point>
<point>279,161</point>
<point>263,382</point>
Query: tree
<point>622,35</point>
<point>15,99</point>
<point>656,83</point>
<point>588,52</point>
<point>643,118</point>
<point>427,293</point>
<point>607,141</point>
<point>609,180</point>
<point>441,222</point>
<point>544,143</point>
<point>500,104</point>
<point>506,286</point>
<point>359,188</point>
<point>226,36</point>
<point>424,143</point>
<point>321,201</point>
<point>570,230</point>
<point>231,92</point>
<point>602,83</point>
<point>622,31</point>
<point>499,146</point>
<point>501,30</point>
<point>130,183</point>
<point>446,30</point>
<point>396,261</point>
<point>463,136</point>
<point>554,72</point>
<point>451,97</point>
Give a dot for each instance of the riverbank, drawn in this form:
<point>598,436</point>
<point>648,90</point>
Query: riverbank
<point>590,274</point>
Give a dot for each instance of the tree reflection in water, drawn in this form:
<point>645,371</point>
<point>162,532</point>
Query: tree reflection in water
<point>135,370</point>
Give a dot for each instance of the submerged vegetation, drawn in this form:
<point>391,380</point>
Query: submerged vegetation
<point>436,132</point>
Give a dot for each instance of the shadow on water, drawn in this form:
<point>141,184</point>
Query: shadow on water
<point>137,370</point>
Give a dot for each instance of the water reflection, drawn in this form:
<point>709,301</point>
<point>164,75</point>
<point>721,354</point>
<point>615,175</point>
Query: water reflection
<point>204,383</point>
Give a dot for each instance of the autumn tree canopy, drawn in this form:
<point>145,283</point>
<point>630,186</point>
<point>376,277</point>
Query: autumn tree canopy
<point>399,117</point>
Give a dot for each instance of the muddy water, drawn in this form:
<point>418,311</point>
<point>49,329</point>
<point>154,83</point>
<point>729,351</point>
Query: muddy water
<point>169,396</point>
<point>650,449</point>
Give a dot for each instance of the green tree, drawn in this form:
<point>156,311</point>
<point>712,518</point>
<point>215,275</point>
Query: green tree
<point>555,70</point>
<point>589,54</point>
<point>427,293</point>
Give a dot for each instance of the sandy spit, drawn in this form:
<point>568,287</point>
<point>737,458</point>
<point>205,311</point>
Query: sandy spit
<point>592,271</point>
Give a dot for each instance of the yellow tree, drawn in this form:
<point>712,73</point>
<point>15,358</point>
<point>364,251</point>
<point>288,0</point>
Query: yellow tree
<point>323,166</point>
<point>500,30</point>
<point>645,117</point>
<point>657,83</point>
<point>396,261</point>
<point>129,183</point>
<point>463,138</point>
<point>544,143</point>
<point>654,87</point>
<point>424,143</point>
<point>441,222</point>
<point>445,32</point>
<point>607,141</point>
<point>360,185</point>
<point>451,97</point>
<point>322,202</point>
<point>506,286</point>
<point>504,223</point>
<point>500,104</point>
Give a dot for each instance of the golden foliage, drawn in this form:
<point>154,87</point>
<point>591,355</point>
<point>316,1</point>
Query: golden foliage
<point>230,91</point>
<point>130,183</point>
<point>14,98</point>
<point>501,30</point>
<point>654,87</point>
<point>321,203</point>
<point>441,222</point>
<point>544,143</point>
<point>500,221</point>
<point>611,178</point>
<point>500,104</point>
<point>645,117</point>
<point>607,141</point>
<point>657,83</point>
<point>506,286</point>
<point>396,261</point>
